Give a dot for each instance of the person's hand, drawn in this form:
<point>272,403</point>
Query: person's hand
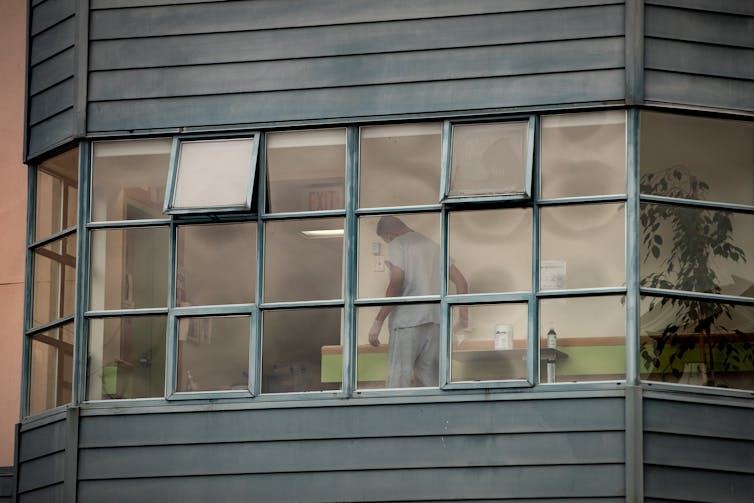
<point>374,333</point>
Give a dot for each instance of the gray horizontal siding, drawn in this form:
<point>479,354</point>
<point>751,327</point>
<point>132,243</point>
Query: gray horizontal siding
<point>699,451</point>
<point>522,59</point>
<point>50,13</point>
<point>116,4</point>
<point>256,62</point>
<point>368,38</point>
<point>387,485</point>
<point>41,461</point>
<point>48,494</point>
<point>51,101</point>
<point>569,448</point>
<point>52,75</point>
<point>6,484</point>
<point>373,101</point>
<point>272,14</point>
<point>52,132</point>
<point>700,53</point>
<point>745,7</point>
<point>52,71</point>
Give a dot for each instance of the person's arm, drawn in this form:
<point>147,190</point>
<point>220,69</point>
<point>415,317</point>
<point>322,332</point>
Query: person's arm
<point>394,289</point>
<point>462,287</point>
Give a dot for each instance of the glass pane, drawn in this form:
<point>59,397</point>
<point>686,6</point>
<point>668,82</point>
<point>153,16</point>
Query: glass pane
<point>489,159</point>
<point>687,341</point>
<point>216,264</point>
<point>583,246</point>
<point>213,353</point>
<point>301,350</point>
<point>402,353</point>
<point>129,268</point>
<point>51,369</point>
<point>213,173</point>
<point>400,165</point>
<point>696,249</point>
<point>303,260</point>
<point>489,342</point>
<point>56,194</point>
<point>126,358</point>
<point>306,170</point>
<point>697,157</point>
<point>54,280</point>
<point>582,339</point>
<point>128,179</point>
<point>583,154</point>
<point>492,248</point>
<point>402,248</point>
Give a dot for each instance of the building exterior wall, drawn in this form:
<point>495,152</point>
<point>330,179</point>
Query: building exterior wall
<point>161,67</point>
<point>12,216</point>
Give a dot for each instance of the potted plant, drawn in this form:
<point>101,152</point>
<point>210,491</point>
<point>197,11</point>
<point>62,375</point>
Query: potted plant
<point>684,241</point>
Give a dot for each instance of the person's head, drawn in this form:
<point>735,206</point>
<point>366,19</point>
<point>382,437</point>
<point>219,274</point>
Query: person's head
<point>390,227</point>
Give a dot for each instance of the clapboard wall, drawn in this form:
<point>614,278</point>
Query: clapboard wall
<point>509,450</point>
<point>41,458</point>
<point>203,64</point>
<point>700,52</point>
<point>698,449</point>
<point>6,484</point>
<point>52,76</point>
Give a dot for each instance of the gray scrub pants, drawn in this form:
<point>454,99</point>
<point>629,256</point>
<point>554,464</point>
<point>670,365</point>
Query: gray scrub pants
<point>413,350</point>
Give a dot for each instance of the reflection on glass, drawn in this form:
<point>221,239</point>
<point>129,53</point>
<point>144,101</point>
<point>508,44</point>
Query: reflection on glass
<point>213,353</point>
<point>306,170</point>
<point>406,244</point>
<point>583,246</point>
<point>489,159</point>
<point>216,264</point>
<point>400,165</point>
<point>51,372</point>
<point>301,350</point>
<point>303,259</point>
<point>126,358</point>
<point>54,280</point>
<point>489,342</point>
<point>401,353</point>
<point>697,157</point>
<point>212,173</point>
<point>583,154</point>
<point>687,341</point>
<point>56,194</point>
<point>582,339</point>
<point>128,179</point>
<point>129,268</point>
<point>697,249</point>
<point>492,248</point>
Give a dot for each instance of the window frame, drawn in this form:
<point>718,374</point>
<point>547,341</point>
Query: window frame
<point>447,160</point>
<point>169,208</point>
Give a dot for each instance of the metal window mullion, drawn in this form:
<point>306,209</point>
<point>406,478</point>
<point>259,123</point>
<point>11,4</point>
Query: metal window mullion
<point>698,296</point>
<point>632,248</point>
<point>52,238</point>
<point>125,224</point>
<point>28,293</point>
<point>427,208</point>
<point>568,201</point>
<point>349,351</point>
<point>255,347</point>
<point>446,330</point>
<point>488,298</point>
<point>171,337</point>
<point>115,313</point>
<point>532,366</point>
<point>81,326</point>
<point>698,203</point>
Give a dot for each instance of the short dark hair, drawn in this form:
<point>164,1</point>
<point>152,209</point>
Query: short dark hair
<point>389,223</point>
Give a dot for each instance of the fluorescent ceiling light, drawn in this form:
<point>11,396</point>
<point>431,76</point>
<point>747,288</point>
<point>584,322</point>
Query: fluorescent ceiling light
<point>324,233</point>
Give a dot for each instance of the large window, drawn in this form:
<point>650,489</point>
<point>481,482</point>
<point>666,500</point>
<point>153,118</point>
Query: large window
<point>697,248</point>
<point>437,255</point>
<point>52,263</point>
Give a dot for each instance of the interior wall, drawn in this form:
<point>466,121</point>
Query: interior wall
<point>12,218</point>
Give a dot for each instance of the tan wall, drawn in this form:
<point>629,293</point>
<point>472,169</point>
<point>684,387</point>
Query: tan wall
<point>12,217</point>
